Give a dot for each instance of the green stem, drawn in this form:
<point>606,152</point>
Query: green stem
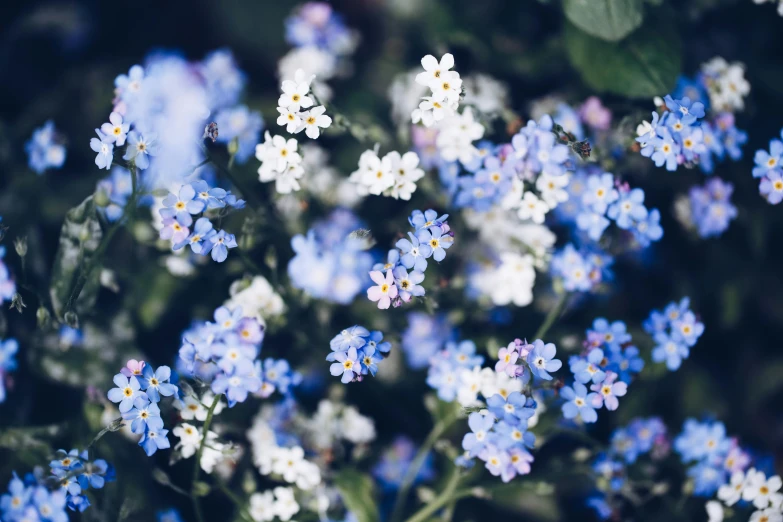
<point>243,513</point>
<point>448,495</point>
<point>248,194</point>
<point>413,470</point>
<point>551,317</point>
<point>97,257</point>
<point>197,465</point>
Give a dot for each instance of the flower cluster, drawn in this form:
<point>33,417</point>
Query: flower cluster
<point>607,365</point>
<point>75,473</point>
<point>445,86</point>
<point>44,149</point>
<point>580,270</point>
<point>8,351</point>
<point>316,24</point>
<point>640,437</point>
<point>725,83</point>
<point>394,175</point>
<point>30,500</point>
<point>675,330</point>
<point>712,455</point>
<point>605,200</point>
<point>679,136</point>
<point>527,176</point>
<point>356,352</point>
<point>225,353</point>
<point>709,209</point>
<point>280,162</point>
<point>138,395</point>
<point>329,263</point>
<point>395,285</point>
<point>499,435</point>
<point>194,199</point>
<point>290,104</point>
<point>190,436</point>
<point>769,168</point>
<point>750,488</point>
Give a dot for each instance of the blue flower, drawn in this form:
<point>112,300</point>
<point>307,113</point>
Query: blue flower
<point>592,223</point>
<point>408,284</point>
<point>687,329</point>
<point>669,350</point>
<point>628,209</point>
<point>144,415</point>
<point>168,515</point>
<point>154,383</point>
<point>238,385</point>
<point>684,109</point>
<point>221,242</point>
<point>666,150</point>
<point>105,149</point>
<point>66,460</point>
<point>649,229</point>
<point>347,364</point>
<point>429,218</point>
<point>181,206</point>
<point>127,391</point>
<point>376,340</point>
<point>51,505</point>
<point>392,260</point>
<point>771,187</point>
<point>140,148</point>
<point>600,192</point>
<point>541,360</point>
<point>13,503</point>
<point>435,239</point>
<point>210,197</point>
<point>43,152</point>
<point>116,131</point>
<point>512,409</point>
<point>200,239</point>
<point>94,474</point>
<point>608,391</point>
<point>242,124</point>
<point>588,369</point>
<point>626,363</point>
<point>614,334</point>
<point>129,85</point>
<point>508,435</point>
<point>415,254</point>
<point>480,426</point>
<point>369,360</point>
<point>767,162</point>
<point>580,403</point>
<point>353,337</point>
<point>153,440</point>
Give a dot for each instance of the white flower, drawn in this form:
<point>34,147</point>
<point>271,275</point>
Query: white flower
<point>313,62</point>
<point>279,152</point>
<point>294,95</point>
<point>714,511</point>
<point>308,475</point>
<point>190,439</point>
<point>431,111</point>
<point>286,462</point>
<point>289,119</point>
<point>551,188</point>
<point>469,387</point>
<point>258,299</point>
<point>434,70</point>
<point>759,489</point>
<point>355,427</point>
<point>285,505</point>
<point>532,208</point>
<point>731,493</point>
<point>378,176</point>
<point>766,515</point>
<point>262,506</point>
<point>456,137</point>
<point>314,119</point>
<point>448,88</point>
<point>191,408</point>
<point>213,453</point>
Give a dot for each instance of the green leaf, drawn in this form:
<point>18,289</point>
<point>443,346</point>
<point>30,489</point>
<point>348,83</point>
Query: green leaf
<point>610,20</point>
<point>644,65</point>
<point>80,237</point>
<point>356,488</point>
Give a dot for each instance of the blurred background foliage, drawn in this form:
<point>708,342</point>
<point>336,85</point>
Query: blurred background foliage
<point>58,60</point>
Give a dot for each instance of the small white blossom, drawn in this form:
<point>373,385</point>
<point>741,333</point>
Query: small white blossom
<point>532,208</point>
<point>714,511</point>
<point>262,506</point>
<point>314,120</point>
<point>285,505</point>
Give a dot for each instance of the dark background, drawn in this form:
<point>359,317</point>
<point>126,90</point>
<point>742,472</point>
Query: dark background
<point>58,60</point>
